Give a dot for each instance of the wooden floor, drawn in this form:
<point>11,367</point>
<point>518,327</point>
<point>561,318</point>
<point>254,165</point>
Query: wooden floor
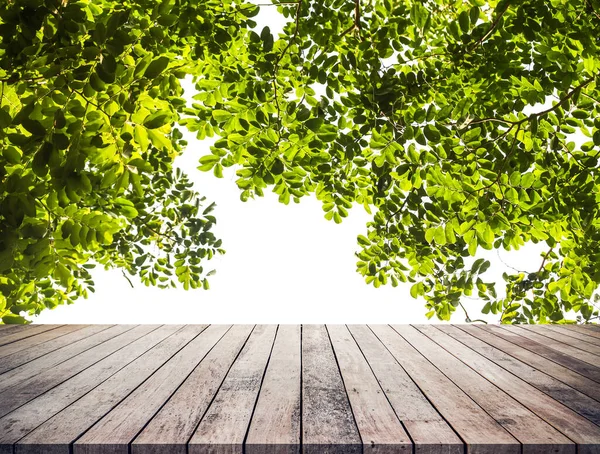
<point>192,389</point>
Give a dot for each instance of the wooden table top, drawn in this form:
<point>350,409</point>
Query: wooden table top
<point>262,389</point>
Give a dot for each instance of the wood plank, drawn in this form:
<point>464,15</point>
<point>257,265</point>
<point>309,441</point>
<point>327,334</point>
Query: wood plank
<point>114,432</point>
<point>555,334</point>
<point>575,400</point>
<point>554,344</point>
<point>169,431</point>
<point>577,334</point>
<point>29,354</point>
<point>41,338</point>
<point>380,429</point>
<point>581,367</point>
<point>47,362</point>
<point>6,329</point>
<point>29,389</point>
<point>562,373</point>
<point>225,424</point>
<point>481,433</point>
<point>27,331</point>
<point>581,329</point>
<point>592,326</point>
<point>275,424</point>
<point>523,424</point>
<point>429,432</point>
<point>117,372</point>
<point>327,421</point>
<point>55,436</point>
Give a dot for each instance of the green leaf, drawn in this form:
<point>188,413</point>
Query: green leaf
<point>156,67</point>
<point>157,119</point>
<point>221,115</point>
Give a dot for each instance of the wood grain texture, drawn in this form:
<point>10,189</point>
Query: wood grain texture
<point>429,432</point>
<point>8,337</point>
<point>565,338</point>
<point>562,373</point>
<point>327,421</point>
<point>275,425</point>
<point>38,339</point>
<point>115,431</point>
<point>558,345</point>
<point>17,359</point>
<point>224,426</point>
<point>289,389</point>
<point>582,329</point>
<point>574,426</point>
<point>380,429</point>
<point>584,336</point>
<point>74,406</point>
<point>481,433</point>
<point>51,360</point>
<point>169,431</point>
<point>576,365</point>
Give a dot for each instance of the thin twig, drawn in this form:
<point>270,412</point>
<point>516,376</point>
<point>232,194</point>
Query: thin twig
<point>491,30</point>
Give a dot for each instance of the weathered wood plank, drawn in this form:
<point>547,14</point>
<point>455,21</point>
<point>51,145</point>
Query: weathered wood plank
<point>380,430</point>
<point>523,424</point>
<point>559,346</point>
<point>481,433</point>
<point>25,332</point>
<point>29,354</point>
<point>430,433</point>
<point>581,367</point>
<point>592,326</point>
<point>562,373</point>
<point>51,360</point>
<point>577,334</point>
<point>225,424</point>
<point>275,424</point>
<point>6,329</point>
<point>89,391</point>
<point>550,405</point>
<point>29,389</point>
<point>581,329</point>
<point>39,339</point>
<point>559,336</point>
<point>169,431</point>
<point>114,432</point>
<point>327,421</point>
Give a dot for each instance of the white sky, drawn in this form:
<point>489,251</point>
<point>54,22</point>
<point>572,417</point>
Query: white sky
<point>284,264</point>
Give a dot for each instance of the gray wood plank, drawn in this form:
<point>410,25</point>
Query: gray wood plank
<point>51,360</point>
<point>481,433</point>
<point>576,334</point>
<point>84,392</point>
<point>114,432</point>
<point>562,373</point>
<point>560,346</point>
<point>581,329</point>
<point>6,329</point>
<point>380,429</point>
<point>25,332</point>
<point>523,424</point>
<point>224,426</point>
<point>56,434</point>
<point>592,326</point>
<point>275,424</point>
<point>169,431</point>
<point>429,432</point>
<point>327,421</point>
<point>29,354</point>
<point>561,392</point>
<point>41,338</point>
<point>576,427</point>
<point>23,392</point>
<point>554,333</point>
<point>581,367</point>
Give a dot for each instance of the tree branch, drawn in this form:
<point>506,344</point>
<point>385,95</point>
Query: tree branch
<point>491,30</point>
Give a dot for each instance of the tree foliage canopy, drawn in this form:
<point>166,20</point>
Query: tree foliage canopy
<point>459,125</point>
